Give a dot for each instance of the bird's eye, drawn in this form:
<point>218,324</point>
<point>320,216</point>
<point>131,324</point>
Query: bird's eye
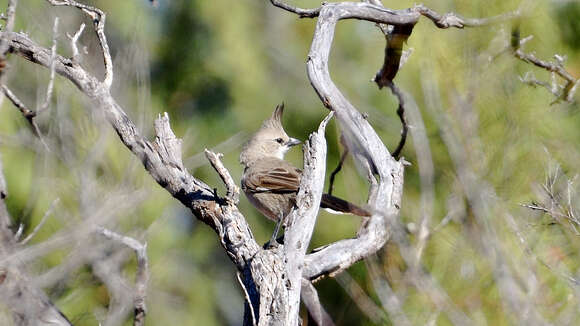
<point>279,140</point>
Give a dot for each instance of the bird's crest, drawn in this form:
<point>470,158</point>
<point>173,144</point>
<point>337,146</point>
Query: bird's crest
<point>275,121</point>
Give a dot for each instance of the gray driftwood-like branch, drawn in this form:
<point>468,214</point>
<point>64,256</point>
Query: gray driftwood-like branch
<point>28,304</point>
<point>161,157</point>
<point>361,139</point>
<point>264,271</point>
<point>301,221</point>
<point>271,279</point>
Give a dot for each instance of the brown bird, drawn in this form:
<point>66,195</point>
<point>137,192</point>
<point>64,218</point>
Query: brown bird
<point>269,182</point>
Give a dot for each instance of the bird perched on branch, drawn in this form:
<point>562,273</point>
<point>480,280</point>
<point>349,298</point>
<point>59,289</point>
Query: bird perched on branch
<point>270,183</point>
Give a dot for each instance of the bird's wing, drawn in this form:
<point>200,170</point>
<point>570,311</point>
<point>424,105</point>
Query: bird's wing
<point>280,179</point>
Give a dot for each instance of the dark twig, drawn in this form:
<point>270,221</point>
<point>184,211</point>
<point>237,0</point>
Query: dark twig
<point>396,38</point>
<point>336,170</point>
<point>302,13</point>
<point>401,113</point>
<point>28,114</point>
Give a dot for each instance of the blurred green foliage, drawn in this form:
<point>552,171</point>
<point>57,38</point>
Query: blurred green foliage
<point>219,68</point>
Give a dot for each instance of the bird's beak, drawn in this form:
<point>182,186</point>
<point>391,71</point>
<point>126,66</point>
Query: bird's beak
<point>292,142</point>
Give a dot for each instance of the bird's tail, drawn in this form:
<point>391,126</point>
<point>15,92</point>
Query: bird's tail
<point>340,205</point>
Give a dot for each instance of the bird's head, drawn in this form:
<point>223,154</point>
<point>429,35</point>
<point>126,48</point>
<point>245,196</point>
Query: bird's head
<point>269,141</point>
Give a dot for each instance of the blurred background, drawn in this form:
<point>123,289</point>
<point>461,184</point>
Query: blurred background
<point>219,68</point>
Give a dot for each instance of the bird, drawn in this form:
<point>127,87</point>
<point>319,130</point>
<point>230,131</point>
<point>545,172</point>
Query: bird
<point>270,183</point>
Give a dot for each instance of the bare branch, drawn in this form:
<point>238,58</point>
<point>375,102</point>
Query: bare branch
<point>233,191</point>
<point>549,66</point>
<point>361,139</point>
<point>361,299</point>
<point>302,13</point>
<point>28,114</point>
<point>391,303</point>
<point>301,221</point>
<point>401,113</point>
<point>98,17</point>
<point>531,80</point>
<point>10,17</point>
<point>41,223</point>
<point>142,277</point>
<point>162,159</point>
<point>28,304</point>
<point>73,42</point>
<point>48,97</point>
<point>336,170</point>
<point>565,92</point>
<point>426,172</point>
<point>248,299</point>
<point>311,300</point>
<point>453,20</point>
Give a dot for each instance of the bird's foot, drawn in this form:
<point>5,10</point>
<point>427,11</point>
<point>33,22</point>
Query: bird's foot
<point>274,243</point>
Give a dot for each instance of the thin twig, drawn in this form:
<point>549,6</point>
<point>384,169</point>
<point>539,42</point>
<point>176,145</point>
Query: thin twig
<point>10,16</point>
<point>99,18</point>
<point>390,301</point>
<point>19,232</point>
<point>422,150</point>
<point>233,191</point>
<point>28,114</point>
<point>547,65</point>
<point>360,298</point>
<point>556,68</point>
<point>311,301</point>
<point>247,296</point>
<point>454,20</point>
<point>142,276</point>
<point>50,86</point>
<point>336,170</point>
<point>73,42</point>
<point>231,144</point>
<point>401,113</point>
<point>529,79</point>
<point>302,13</point>
<point>41,223</point>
